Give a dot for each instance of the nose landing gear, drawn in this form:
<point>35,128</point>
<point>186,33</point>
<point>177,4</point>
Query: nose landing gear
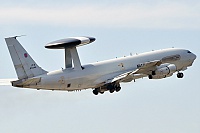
<point>180,75</point>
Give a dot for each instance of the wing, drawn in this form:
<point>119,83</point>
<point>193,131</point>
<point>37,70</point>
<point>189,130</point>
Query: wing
<point>142,70</point>
<point>147,67</point>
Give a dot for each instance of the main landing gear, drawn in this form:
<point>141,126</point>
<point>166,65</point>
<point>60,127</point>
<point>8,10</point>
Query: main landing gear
<point>110,87</point>
<point>95,91</point>
<point>180,75</point>
<point>113,88</point>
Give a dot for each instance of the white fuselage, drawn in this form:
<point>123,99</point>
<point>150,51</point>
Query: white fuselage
<point>70,79</point>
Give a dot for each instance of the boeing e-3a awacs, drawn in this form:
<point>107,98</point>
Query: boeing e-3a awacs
<point>100,76</point>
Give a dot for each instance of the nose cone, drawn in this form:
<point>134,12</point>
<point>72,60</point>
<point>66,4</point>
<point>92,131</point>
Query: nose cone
<point>194,56</point>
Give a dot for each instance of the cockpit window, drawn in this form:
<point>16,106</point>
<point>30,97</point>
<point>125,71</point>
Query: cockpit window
<point>188,51</point>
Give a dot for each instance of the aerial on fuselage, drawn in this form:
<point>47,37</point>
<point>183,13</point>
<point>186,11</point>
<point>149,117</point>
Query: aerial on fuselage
<point>100,76</point>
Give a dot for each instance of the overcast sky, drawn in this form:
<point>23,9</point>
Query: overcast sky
<point>169,105</point>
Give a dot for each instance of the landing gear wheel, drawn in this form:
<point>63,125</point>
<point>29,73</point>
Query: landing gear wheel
<point>150,76</point>
<point>112,90</point>
<point>118,89</point>
<point>95,92</point>
<point>101,92</point>
<point>180,75</point>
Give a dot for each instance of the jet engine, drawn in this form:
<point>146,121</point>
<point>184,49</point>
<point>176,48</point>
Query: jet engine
<point>163,71</point>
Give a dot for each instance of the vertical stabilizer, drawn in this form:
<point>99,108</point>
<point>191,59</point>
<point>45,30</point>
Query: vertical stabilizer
<point>24,65</point>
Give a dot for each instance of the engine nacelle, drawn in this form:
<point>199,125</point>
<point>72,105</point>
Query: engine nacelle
<point>166,70</point>
<point>163,71</point>
<point>159,76</point>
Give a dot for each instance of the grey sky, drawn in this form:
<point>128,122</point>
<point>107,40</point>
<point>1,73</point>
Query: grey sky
<point>143,15</point>
<point>153,106</point>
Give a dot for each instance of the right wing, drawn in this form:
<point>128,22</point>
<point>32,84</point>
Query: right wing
<point>143,69</point>
<point>146,67</point>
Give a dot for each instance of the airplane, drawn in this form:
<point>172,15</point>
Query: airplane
<point>100,76</point>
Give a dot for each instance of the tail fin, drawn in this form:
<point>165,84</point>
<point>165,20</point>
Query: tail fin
<point>25,66</point>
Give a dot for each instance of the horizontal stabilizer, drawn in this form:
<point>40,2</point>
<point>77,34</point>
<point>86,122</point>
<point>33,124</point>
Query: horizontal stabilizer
<point>26,82</point>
